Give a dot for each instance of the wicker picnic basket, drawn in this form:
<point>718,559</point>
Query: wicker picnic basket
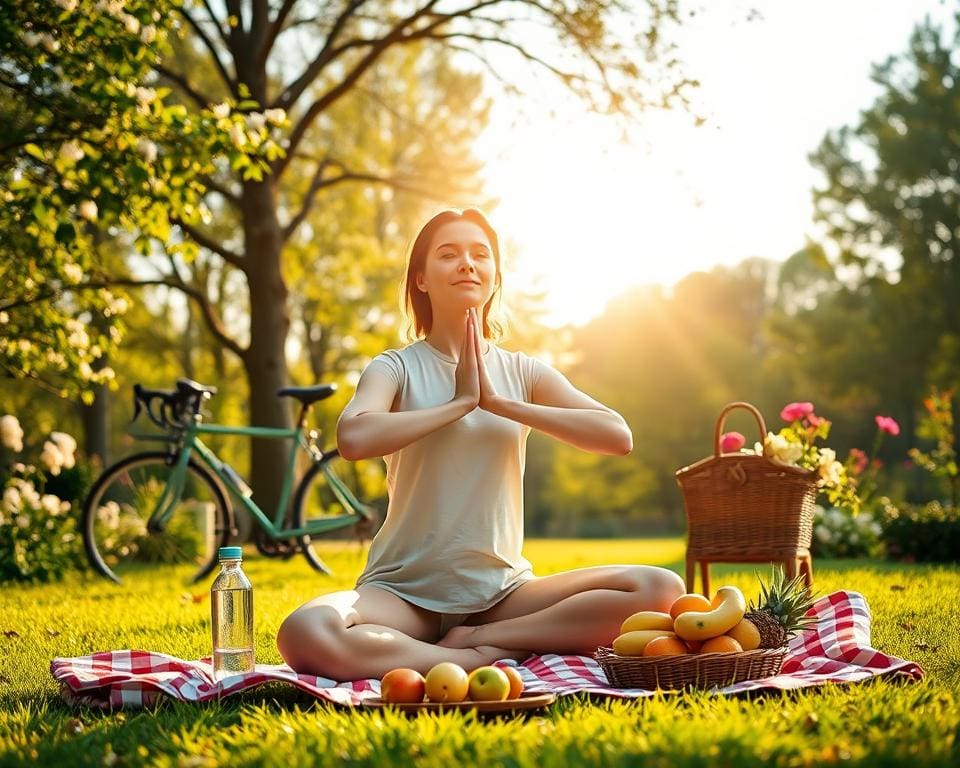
<point>696,670</point>
<point>741,504</point>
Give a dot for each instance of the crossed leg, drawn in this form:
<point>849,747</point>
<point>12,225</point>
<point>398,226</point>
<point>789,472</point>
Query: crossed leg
<point>570,612</point>
<point>363,633</point>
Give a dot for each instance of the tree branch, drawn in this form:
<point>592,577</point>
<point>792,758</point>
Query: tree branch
<point>217,187</point>
<point>315,184</point>
<point>212,49</point>
<point>205,241</point>
<point>175,77</point>
<point>273,32</point>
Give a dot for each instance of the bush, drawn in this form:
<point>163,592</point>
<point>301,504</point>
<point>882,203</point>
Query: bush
<point>38,536</point>
<point>838,533</point>
<point>922,532</point>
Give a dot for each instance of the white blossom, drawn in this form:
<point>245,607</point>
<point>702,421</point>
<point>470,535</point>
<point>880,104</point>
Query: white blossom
<point>781,449</point>
<point>823,534</point>
<point>51,458</point>
<point>11,433</point>
<point>23,521</point>
<point>145,95</point>
<point>71,151</point>
<point>88,210</point>
<point>73,272</point>
<point>32,39</point>
<point>49,43</point>
<point>237,135</point>
<point>275,116</point>
<point>131,24</point>
<point>67,5</point>
<point>50,504</point>
<point>68,447</point>
<point>827,456</point>
<point>831,474</point>
<point>147,149</point>
<point>11,500</point>
<point>4,318</point>
<point>256,121</point>
<point>148,34</point>
<point>221,111</point>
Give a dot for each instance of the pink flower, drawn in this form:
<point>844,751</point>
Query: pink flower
<point>815,421</point>
<point>796,411</point>
<point>887,424</point>
<point>860,460</point>
<point>731,442</point>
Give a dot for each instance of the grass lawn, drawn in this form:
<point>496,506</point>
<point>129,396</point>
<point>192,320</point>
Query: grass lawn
<point>915,615</point>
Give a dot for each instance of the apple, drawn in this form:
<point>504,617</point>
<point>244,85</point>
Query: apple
<point>402,686</point>
<point>516,682</point>
<point>447,681</point>
<point>489,684</point>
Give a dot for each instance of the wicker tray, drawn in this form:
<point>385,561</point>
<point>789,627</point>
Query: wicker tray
<point>695,670</point>
<point>739,504</point>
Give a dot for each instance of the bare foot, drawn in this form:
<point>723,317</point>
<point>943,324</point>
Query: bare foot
<point>458,637</point>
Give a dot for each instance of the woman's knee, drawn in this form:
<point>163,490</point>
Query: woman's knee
<point>311,639</point>
<point>656,587</point>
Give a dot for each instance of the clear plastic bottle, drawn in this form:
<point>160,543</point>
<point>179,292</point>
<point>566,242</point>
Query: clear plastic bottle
<point>231,609</point>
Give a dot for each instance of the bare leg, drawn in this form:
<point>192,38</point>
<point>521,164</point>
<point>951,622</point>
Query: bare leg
<point>576,623</point>
<point>365,633</point>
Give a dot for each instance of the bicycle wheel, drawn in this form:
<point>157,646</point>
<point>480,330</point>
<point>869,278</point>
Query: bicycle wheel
<point>117,510</point>
<point>315,500</point>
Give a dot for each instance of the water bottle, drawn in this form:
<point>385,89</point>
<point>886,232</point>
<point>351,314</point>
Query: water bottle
<point>231,608</point>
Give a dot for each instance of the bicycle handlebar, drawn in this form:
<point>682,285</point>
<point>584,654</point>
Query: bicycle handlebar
<point>176,408</point>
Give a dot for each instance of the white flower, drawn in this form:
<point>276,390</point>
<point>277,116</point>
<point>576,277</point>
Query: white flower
<point>275,116</point>
<point>256,121</point>
<point>51,458</point>
<point>131,23</point>
<point>50,504</point>
<point>876,529</point>
<point>145,95</point>
<point>237,136</point>
<point>109,514</point>
<point>67,445</point>
<point>28,493</point>
<point>781,449</point>
<point>854,538</point>
<point>11,500</point>
<point>32,39</point>
<point>71,151</point>
<point>73,272</point>
<point>823,534</point>
<point>67,5</point>
<point>88,210</point>
<point>831,474</point>
<point>148,34</point>
<point>49,43</point>
<point>85,371</point>
<point>11,433</point>
<point>147,149</point>
<point>827,456</point>
<point>4,318</point>
<point>220,111</point>
<point>23,521</point>
<point>119,305</point>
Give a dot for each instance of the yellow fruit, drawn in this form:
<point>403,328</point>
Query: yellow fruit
<point>633,643</point>
<point>689,602</point>
<point>516,681</point>
<point>747,634</point>
<point>647,620</point>
<point>727,609</point>
<point>722,644</point>
<point>446,681</point>
<point>665,646</point>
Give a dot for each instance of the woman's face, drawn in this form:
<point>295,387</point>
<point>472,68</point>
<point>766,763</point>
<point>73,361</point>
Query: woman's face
<point>460,270</point>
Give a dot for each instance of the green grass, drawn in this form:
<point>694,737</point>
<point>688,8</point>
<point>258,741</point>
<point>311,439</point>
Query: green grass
<point>915,616</point>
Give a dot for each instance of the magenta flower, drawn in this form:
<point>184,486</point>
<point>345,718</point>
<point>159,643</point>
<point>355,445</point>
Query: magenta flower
<point>887,424</point>
<point>796,411</point>
<point>860,460</point>
<point>731,442</point>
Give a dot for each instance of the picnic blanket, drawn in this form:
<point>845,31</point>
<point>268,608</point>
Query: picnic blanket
<point>836,650</point>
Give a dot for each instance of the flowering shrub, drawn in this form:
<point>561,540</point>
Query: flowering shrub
<point>836,533</point>
<point>38,537</point>
<point>922,532</point>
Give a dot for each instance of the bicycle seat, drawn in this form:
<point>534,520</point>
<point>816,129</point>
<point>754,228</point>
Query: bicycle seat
<point>307,395</point>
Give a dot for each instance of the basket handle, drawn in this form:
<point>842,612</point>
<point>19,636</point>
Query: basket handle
<point>723,417</point>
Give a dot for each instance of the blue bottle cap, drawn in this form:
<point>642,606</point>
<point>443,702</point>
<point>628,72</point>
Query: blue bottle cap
<point>231,553</point>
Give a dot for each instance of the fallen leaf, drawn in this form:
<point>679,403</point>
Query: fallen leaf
<point>907,626</point>
<point>897,587</point>
<point>11,633</point>
<point>923,645</point>
<point>75,725</point>
<point>52,632</point>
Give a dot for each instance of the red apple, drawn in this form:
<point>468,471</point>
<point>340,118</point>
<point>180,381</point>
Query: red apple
<point>489,684</point>
<point>402,686</point>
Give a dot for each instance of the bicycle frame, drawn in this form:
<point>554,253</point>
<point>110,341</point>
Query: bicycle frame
<point>191,442</point>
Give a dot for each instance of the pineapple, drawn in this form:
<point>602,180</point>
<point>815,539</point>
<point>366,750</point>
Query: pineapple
<point>780,611</point>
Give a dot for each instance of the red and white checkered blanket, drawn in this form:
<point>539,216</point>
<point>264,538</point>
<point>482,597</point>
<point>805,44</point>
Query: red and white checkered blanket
<point>836,650</point>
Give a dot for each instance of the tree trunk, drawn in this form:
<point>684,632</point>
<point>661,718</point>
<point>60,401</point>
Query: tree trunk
<point>96,425</point>
<point>264,360</point>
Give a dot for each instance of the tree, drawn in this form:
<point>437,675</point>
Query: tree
<point>246,46</point>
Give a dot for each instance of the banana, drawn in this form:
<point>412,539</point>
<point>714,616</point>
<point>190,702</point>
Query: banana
<point>647,620</point>
<point>633,643</point>
<point>728,609</point>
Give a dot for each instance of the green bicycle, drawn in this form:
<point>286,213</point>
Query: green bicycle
<point>173,506</point>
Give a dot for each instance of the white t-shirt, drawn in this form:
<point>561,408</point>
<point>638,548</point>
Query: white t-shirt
<point>453,534</point>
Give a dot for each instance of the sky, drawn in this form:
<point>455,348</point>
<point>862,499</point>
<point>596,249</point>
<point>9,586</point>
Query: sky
<point>587,216</point>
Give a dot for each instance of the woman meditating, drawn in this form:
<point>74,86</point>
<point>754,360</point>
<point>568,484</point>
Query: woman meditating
<point>445,579</point>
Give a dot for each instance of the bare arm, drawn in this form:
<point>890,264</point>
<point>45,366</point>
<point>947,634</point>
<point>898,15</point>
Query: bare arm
<point>367,428</point>
<point>562,411</point>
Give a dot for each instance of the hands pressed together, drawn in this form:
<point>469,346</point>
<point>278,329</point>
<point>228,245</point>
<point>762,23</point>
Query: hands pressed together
<point>473,386</point>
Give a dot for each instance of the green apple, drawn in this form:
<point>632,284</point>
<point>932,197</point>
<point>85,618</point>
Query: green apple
<point>488,684</point>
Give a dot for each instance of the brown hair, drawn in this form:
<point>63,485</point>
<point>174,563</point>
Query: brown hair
<point>416,304</point>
